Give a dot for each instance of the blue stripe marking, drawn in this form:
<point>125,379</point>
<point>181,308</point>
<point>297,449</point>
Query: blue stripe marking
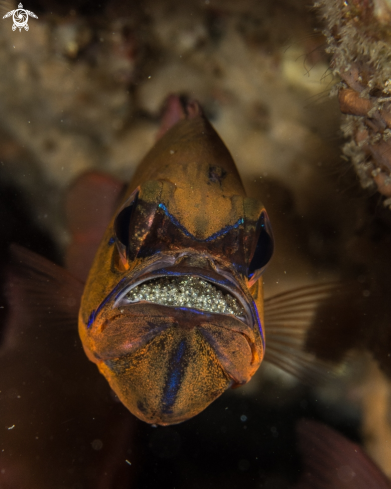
<point>91,319</point>
<point>195,311</point>
<point>111,241</point>
<point>259,326</point>
<point>214,236</point>
<point>101,305</point>
<point>173,382</point>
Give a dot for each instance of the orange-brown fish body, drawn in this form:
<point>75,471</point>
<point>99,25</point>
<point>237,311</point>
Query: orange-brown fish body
<point>185,214</point>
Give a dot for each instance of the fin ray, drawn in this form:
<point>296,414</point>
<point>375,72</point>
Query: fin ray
<point>49,293</point>
<point>288,318</point>
<point>304,291</point>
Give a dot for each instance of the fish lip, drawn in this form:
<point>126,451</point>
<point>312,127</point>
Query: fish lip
<point>218,278</point>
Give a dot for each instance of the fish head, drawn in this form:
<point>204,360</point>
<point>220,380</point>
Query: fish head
<point>180,326</point>
<point>172,311</point>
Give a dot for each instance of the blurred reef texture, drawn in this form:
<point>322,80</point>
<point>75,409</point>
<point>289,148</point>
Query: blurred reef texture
<point>83,89</point>
<point>359,38</point>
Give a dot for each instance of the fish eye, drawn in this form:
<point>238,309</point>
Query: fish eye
<point>122,224</point>
<point>263,249</point>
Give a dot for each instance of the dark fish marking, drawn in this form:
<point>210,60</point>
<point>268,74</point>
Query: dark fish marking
<point>216,174</point>
<point>214,236</point>
<point>141,407</point>
<point>115,365</point>
<point>176,370</point>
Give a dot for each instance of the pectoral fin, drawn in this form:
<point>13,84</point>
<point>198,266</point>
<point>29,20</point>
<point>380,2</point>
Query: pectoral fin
<point>309,330</point>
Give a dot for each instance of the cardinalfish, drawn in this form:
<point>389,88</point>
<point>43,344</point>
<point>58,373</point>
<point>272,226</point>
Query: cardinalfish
<point>172,312</point>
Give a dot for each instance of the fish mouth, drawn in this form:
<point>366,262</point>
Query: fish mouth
<point>187,291</point>
<point>190,288</point>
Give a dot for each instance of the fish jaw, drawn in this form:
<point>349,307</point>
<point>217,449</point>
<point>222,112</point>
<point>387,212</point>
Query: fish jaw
<point>169,380</point>
<point>165,362</point>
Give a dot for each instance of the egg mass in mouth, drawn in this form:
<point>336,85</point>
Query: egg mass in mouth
<point>186,291</point>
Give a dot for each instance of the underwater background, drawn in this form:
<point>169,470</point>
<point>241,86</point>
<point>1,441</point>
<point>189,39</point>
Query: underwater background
<point>83,89</point>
